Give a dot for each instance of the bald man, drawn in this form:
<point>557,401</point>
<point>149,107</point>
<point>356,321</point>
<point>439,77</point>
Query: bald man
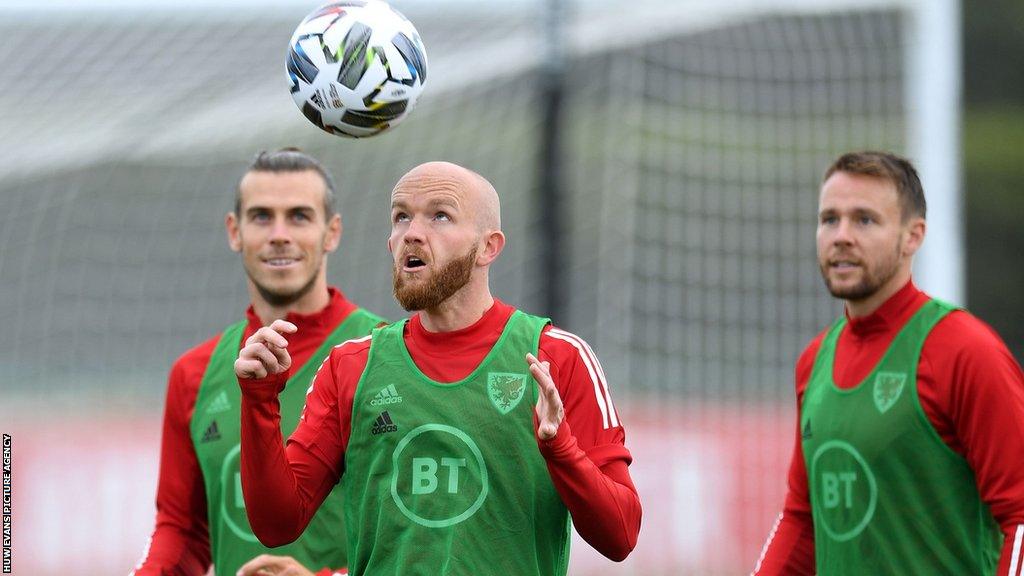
<point>464,436</point>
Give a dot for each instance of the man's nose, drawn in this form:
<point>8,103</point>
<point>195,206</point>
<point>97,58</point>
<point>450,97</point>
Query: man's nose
<point>279,232</point>
<point>415,232</point>
<point>844,232</point>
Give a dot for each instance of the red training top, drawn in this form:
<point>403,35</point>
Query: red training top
<point>587,458</point>
<point>972,391</point>
<point>180,544</point>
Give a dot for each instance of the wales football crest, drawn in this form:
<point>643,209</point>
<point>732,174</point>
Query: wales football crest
<point>888,387</point>
<point>505,390</point>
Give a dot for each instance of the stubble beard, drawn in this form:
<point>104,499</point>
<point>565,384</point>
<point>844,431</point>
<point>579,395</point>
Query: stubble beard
<point>427,295</point>
<point>283,298</point>
<point>871,282</point>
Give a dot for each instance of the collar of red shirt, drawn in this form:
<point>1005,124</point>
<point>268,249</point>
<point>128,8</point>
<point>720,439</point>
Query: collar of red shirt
<point>487,329</point>
<point>328,317</point>
<point>891,315</point>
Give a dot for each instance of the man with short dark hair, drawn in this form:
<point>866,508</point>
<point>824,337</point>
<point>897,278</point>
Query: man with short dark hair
<point>284,225</point>
<point>911,411</point>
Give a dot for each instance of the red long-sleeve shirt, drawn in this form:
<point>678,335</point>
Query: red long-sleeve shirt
<point>587,459</point>
<point>180,543</point>
<point>971,390</point>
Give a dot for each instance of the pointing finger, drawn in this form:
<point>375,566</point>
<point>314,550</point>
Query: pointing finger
<point>283,327</point>
<point>268,336</point>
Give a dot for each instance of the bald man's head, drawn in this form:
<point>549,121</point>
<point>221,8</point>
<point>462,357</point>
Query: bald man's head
<point>445,233</point>
<point>479,195</point>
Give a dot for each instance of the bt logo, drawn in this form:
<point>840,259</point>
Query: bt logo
<point>832,494</point>
<point>424,474</point>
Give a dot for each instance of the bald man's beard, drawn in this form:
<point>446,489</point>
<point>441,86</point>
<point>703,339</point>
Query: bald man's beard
<point>431,293</point>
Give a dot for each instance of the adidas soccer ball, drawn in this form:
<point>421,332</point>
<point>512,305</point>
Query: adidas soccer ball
<point>356,67</point>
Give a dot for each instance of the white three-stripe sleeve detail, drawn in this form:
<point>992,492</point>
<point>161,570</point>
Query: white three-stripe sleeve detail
<point>1015,558</point>
<point>600,373</point>
<point>315,374</point>
<point>767,544</point>
<point>590,368</point>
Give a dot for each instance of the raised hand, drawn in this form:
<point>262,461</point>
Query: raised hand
<point>266,352</point>
<point>549,403</point>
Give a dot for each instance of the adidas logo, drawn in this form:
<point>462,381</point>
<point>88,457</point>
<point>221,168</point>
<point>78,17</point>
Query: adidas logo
<point>219,404</point>
<point>386,396</point>
<point>211,433</point>
<point>384,424</point>
<point>806,434</point>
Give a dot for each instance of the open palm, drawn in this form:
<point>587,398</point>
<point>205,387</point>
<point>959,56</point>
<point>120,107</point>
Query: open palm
<point>549,404</point>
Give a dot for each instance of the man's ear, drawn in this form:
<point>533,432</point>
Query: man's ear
<point>234,233</point>
<point>491,245</point>
<point>333,237</point>
<point>914,236</point>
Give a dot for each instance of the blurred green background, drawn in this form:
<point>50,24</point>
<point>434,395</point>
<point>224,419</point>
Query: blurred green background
<point>993,154</point>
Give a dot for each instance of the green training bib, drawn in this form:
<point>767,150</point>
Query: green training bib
<point>447,479</point>
<point>888,496</point>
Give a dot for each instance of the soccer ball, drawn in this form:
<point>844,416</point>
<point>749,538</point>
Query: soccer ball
<point>356,67</point>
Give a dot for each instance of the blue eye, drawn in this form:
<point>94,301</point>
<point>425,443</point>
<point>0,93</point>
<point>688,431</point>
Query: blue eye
<point>442,216</point>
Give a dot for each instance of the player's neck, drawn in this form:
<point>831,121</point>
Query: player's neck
<point>459,311</point>
<point>868,306</point>
<point>313,301</point>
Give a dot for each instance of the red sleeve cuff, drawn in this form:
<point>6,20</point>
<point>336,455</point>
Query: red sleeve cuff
<point>263,389</point>
<point>561,446</point>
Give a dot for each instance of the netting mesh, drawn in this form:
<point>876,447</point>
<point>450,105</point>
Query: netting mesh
<point>693,156</point>
<point>736,128</point>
